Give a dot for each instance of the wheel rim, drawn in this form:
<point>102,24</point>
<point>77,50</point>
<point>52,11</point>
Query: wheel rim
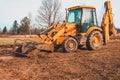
<point>71,45</point>
<point>96,40</point>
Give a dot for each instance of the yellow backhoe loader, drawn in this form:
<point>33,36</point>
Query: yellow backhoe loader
<point>80,29</point>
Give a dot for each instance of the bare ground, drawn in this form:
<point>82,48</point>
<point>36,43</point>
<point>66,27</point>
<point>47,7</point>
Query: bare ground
<point>102,64</point>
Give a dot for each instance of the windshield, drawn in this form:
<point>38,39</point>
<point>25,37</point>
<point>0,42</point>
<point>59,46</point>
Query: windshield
<point>74,16</point>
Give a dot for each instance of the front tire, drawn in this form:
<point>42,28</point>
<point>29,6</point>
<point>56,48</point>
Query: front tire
<point>70,45</point>
<point>95,40</point>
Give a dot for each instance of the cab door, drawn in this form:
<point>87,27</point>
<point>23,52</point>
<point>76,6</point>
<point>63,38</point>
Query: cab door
<point>89,19</point>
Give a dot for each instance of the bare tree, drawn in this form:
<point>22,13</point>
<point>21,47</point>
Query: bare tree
<point>49,13</point>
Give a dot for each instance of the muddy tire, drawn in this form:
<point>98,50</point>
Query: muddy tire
<point>95,40</point>
<point>70,45</point>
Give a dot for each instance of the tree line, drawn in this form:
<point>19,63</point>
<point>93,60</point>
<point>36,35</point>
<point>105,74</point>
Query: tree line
<point>22,28</point>
<point>48,14</point>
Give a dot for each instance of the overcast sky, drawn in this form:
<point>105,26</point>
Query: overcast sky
<point>11,10</point>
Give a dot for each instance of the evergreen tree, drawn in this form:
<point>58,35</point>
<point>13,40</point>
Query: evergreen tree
<point>15,27</point>
<point>4,30</point>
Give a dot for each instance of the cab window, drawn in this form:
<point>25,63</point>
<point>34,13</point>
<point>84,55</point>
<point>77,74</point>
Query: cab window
<point>74,16</point>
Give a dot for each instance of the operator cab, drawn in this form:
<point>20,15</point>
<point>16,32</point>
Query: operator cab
<point>83,16</point>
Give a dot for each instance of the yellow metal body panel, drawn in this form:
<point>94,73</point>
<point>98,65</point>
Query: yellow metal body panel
<point>60,40</point>
<point>90,30</point>
<point>105,27</point>
<point>111,22</point>
<point>77,7</point>
<point>69,29</point>
<point>59,33</point>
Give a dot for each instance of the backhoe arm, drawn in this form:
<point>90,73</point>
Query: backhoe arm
<point>108,23</point>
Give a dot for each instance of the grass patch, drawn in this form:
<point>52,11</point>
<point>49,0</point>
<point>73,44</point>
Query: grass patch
<point>5,41</point>
<point>10,41</point>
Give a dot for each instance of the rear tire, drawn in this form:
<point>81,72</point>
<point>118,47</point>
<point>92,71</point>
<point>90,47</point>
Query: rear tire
<point>95,40</point>
<point>70,45</point>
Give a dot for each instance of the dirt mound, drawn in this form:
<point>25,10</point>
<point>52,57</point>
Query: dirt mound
<point>115,37</point>
<point>102,64</point>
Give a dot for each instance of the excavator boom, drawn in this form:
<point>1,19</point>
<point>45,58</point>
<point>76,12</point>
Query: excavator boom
<point>108,23</point>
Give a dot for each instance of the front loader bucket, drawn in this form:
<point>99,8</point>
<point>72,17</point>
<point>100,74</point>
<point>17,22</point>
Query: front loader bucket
<point>29,48</point>
<point>46,47</point>
<point>23,47</point>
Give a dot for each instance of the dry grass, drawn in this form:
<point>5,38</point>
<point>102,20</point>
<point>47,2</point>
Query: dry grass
<point>10,41</point>
<point>6,41</point>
